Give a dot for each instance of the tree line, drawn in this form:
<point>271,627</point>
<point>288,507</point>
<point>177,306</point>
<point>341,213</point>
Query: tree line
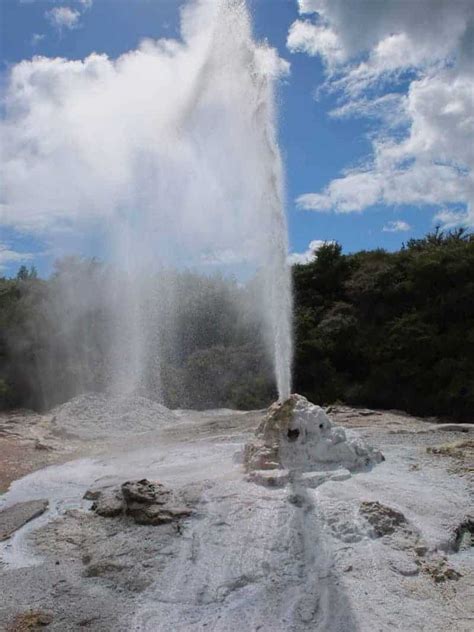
<point>372,328</point>
<point>202,338</point>
<point>389,329</point>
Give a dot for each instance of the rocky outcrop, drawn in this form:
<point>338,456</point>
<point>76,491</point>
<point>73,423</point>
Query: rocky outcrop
<point>298,436</point>
<point>152,503</point>
<point>108,503</point>
<point>147,502</point>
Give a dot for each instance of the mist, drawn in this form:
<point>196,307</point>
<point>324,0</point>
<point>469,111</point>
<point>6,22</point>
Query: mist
<point>168,157</point>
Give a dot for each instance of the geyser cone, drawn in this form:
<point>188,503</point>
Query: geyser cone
<point>298,436</point>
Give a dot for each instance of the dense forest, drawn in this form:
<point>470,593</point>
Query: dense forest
<point>373,328</point>
<point>389,329</point>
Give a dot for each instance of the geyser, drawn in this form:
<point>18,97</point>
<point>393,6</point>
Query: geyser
<point>211,180</point>
<point>168,158</point>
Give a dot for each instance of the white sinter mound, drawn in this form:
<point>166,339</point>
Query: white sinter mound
<point>94,416</point>
<point>297,435</point>
<point>319,441</point>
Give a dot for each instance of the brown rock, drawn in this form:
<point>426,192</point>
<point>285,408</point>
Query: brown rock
<point>108,504</point>
<point>145,492</point>
<point>383,519</point>
<point>156,514</point>
<point>33,620</point>
<point>92,494</point>
<point>147,502</point>
<point>440,570</point>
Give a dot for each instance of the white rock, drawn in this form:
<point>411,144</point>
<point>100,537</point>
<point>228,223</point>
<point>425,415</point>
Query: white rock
<point>298,435</point>
<point>314,479</point>
<point>269,478</point>
<point>318,441</point>
<point>96,415</point>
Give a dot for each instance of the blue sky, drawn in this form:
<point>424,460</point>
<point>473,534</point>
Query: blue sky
<point>318,148</point>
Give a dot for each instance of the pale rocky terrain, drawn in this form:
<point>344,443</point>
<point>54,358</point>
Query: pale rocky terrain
<point>334,548</point>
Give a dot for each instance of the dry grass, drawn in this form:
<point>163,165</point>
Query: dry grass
<point>456,450</point>
<point>28,621</point>
<point>461,454</point>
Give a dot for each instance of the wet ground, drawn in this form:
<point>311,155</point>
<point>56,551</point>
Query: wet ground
<point>377,551</point>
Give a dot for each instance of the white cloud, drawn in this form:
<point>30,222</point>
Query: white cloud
<point>354,192</point>
<point>397,226</point>
<point>391,27</point>
<point>387,108</point>
<point>63,18</point>
<point>422,150</point>
<point>309,254</point>
<point>307,6</point>
<point>36,38</point>
<point>450,219</point>
<point>145,141</point>
<point>305,37</point>
<point>432,165</point>
<point>8,256</point>
<point>87,4</point>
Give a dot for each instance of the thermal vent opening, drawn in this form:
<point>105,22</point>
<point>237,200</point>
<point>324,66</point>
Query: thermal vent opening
<point>293,434</point>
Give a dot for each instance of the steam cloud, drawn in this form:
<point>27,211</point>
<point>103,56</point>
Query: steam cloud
<point>166,155</point>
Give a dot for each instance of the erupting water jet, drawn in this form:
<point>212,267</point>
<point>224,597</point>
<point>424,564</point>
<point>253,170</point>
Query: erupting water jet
<point>172,162</point>
<point>218,166</point>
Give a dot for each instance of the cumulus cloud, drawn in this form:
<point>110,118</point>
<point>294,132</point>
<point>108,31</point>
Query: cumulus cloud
<point>306,37</point>
<point>450,219</point>
<point>162,142</point>
<point>397,226</point>
<point>63,18</point>
<point>426,29</point>
<point>8,256</point>
<point>309,254</point>
<point>422,140</point>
